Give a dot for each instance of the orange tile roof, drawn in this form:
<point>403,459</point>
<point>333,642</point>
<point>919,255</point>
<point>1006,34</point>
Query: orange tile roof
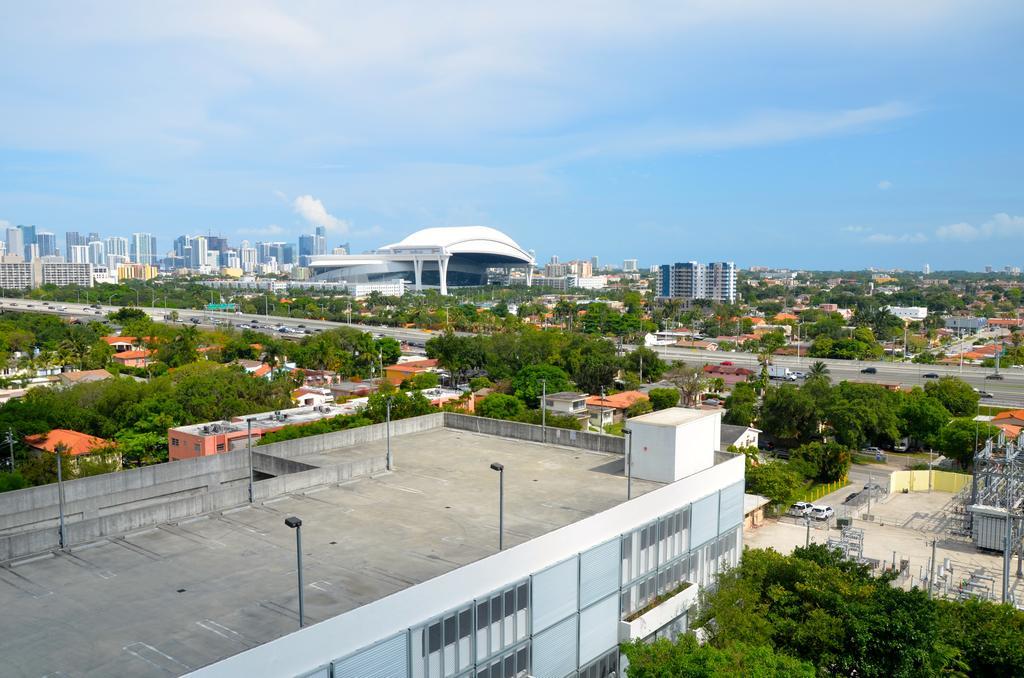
<point>1011,430</point>
<point>261,371</point>
<point>1009,414</point>
<point>128,355</point>
<point>118,340</point>
<point>619,401</point>
<point>74,443</point>
<point>413,365</point>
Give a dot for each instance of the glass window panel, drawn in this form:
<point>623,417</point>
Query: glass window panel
<point>495,609</point>
<point>465,623</point>
<point>482,615</point>
<point>450,630</point>
<point>523,597</point>
<point>510,666</point>
<point>434,637</point>
<point>510,601</point>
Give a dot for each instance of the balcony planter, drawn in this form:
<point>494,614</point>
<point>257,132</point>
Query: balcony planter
<point>658,616</point>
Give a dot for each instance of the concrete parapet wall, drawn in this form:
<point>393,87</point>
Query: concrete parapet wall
<point>301,447</point>
<point>595,442</point>
<point>276,466</point>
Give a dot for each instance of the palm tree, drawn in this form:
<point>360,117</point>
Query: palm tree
<point>819,370</point>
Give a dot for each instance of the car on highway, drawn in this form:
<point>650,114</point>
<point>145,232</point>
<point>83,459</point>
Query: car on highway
<point>821,512</point>
<point>985,394</point>
<point>997,377</point>
<point>869,370</point>
<point>930,375</point>
<point>727,363</point>
<point>800,509</point>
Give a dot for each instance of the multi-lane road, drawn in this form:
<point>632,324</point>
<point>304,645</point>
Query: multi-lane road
<point>1008,391</point>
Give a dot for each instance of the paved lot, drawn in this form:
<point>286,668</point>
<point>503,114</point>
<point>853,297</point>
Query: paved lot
<point>904,526</point>
<point>166,600</point>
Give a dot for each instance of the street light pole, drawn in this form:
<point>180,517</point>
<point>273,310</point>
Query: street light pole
<point>388,402</point>
<point>807,539</point>
<point>500,468</point>
<point>296,524</point>
<point>10,441</point>
<point>60,496</point>
<point>543,410</point>
<point>629,462</point>
<point>248,440</point>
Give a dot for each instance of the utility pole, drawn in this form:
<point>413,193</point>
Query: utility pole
<point>10,441</point>
<point>543,410</point>
<point>388,403</point>
<point>248,441</point>
<point>60,496</point>
<point>629,460</point>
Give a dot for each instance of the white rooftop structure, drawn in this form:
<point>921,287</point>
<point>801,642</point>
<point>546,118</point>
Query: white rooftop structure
<point>436,257</point>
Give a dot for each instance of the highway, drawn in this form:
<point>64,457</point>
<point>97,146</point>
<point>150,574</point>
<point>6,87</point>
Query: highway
<point>266,324</point>
<point>1008,391</point>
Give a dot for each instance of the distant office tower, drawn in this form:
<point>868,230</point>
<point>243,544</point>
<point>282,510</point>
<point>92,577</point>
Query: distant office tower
<point>321,240</point>
<point>630,266</point>
<point>342,249</point>
<point>47,244</point>
<point>595,264</point>
<point>79,254</point>
<point>72,238</point>
<point>198,252</point>
<point>926,269</point>
<point>97,253</point>
<point>307,248</point>
<point>180,244</point>
<point>117,247</point>
<point>91,237</point>
<point>249,257</point>
<point>15,241</point>
<point>216,242</point>
<point>691,280</point>
<point>143,249</point>
<point>988,269</point>
<point>31,252</point>
<point>554,259</point>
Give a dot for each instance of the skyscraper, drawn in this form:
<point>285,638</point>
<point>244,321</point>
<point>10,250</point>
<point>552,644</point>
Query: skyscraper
<point>72,238</point>
<point>15,241</point>
<point>97,253</point>
<point>47,243</point>
<point>117,246</point>
<point>79,254</point>
<point>630,266</point>
<point>143,249</point>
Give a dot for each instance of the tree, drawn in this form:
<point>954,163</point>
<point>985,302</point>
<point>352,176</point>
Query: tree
<point>789,414</point>
<point>182,349</point>
<point>126,315</point>
<point>691,382</point>
<point>500,406</point>
<point>818,370</point>
<point>686,658</point>
<point>479,383</point>
<point>778,481</point>
<point>923,418</point>
<point>987,635</point>
<point>424,380</point>
<point>956,395</point>
<point>457,354</point>
<point>662,398</point>
<point>528,385</point>
<point>647,361</point>
<point>389,350</point>
<point>961,438</point>
<point>741,405</point>
<point>825,462</point>
<point>642,406</point>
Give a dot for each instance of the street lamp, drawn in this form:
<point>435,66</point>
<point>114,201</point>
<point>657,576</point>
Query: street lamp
<point>60,496</point>
<point>629,462</point>
<point>296,524</point>
<point>500,468</point>
<point>543,410</point>
<point>248,440</point>
<point>390,400</point>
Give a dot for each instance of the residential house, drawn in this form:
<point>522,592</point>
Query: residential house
<point>400,372</point>
<point>612,408</point>
<point>311,396</point>
<point>84,377</point>
<point>567,403</point>
<point>136,358</point>
<point>76,445</point>
<point>738,436</point>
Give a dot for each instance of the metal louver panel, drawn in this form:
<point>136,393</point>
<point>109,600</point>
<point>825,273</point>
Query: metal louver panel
<point>599,628</point>
<point>387,659</point>
<point>730,511</point>
<point>554,651</point>
<point>599,572</point>
<point>554,594</point>
<point>704,520</point>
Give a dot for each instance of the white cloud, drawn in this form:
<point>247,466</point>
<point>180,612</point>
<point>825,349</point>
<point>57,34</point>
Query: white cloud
<point>855,229</point>
<point>1000,226</point>
<point>884,185</point>
<point>313,211</point>
<point>895,238</point>
<point>269,230</point>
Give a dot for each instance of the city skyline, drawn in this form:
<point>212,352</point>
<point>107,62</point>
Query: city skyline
<point>873,136</point>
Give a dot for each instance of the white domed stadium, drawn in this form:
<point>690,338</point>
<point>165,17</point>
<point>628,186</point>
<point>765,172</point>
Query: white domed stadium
<point>457,256</point>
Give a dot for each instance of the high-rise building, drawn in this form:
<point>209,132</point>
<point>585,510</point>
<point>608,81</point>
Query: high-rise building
<point>16,241</point>
<point>321,240</point>
<point>249,257</point>
<point>72,238</point>
<point>630,266</point>
<point>216,242</point>
<point>97,253</point>
<point>117,247</point>
<point>78,254</point>
<point>47,244</point>
<point>307,248</point>
<point>691,280</point>
<point>595,264</point>
<point>91,237</point>
<point>198,250</point>
<point>143,249</point>
<point>926,269</point>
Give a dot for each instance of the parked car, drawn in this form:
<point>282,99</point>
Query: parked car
<point>821,512</point>
<point>851,497</point>
<point>869,370</point>
<point>930,375</point>
<point>997,377</point>
<point>901,446</point>
<point>800,509</point>
<point>871,449</point>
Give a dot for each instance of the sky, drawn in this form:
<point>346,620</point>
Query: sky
<point>838,135</point>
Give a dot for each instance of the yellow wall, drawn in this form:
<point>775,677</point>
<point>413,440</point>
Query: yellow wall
<point>917,481</point>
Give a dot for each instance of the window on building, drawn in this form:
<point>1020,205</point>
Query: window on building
<point>502,620</point>
<point>196,445</point>
<point>174,442</point>
<point>602,667</point>
<point>443,647</point>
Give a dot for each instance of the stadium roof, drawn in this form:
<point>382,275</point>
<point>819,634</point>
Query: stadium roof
<point>462,240</point>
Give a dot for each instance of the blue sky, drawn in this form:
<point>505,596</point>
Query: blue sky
<point>777,133</point>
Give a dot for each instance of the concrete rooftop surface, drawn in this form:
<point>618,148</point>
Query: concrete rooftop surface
<point>176,597</point>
